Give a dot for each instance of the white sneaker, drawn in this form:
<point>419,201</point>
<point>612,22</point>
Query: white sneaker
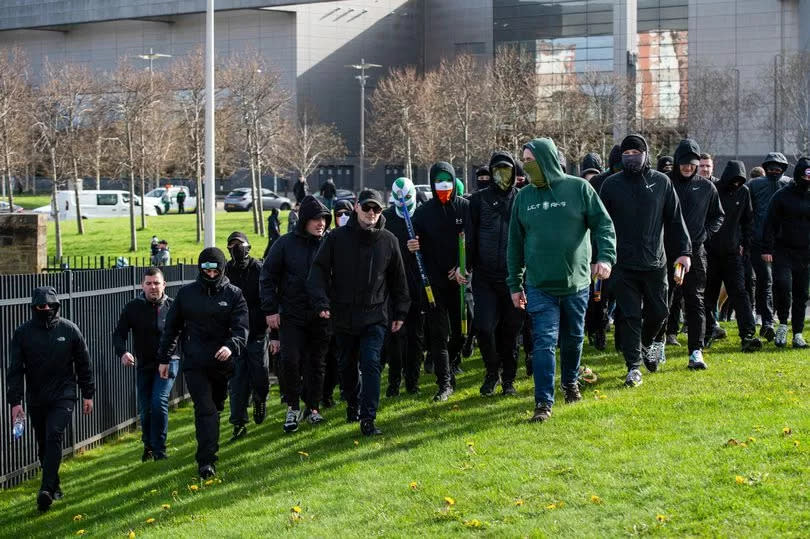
<point>780,339</point>
<point>798,341</point>
<point>696,362</point>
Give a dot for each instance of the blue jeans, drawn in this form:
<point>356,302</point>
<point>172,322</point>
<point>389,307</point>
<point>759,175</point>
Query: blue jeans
<point>556,317</point>
<point>153,406</point>
<point>365,388</point>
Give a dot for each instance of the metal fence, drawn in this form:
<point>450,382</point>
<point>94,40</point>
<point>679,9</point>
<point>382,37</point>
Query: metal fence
<point>93,300</point>
<point>96,262</point>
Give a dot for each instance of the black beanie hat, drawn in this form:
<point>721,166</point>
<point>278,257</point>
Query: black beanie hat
<point>212,254</point>
<point>634,142</point>
<point>238,236</point>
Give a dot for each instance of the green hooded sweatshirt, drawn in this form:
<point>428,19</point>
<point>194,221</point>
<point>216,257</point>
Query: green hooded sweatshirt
<point>551,227</point>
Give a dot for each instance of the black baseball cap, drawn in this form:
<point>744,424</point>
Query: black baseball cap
<point>370,195</point>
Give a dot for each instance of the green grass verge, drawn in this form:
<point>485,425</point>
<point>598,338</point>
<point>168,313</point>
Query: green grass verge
<point>649,461</point>
<point>30,202</point>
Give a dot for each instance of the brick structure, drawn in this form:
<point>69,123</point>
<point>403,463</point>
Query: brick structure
<point>23,242</point>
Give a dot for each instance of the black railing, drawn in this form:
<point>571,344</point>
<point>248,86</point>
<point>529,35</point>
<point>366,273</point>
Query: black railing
<point>93,300</point>
<point>97,262</point>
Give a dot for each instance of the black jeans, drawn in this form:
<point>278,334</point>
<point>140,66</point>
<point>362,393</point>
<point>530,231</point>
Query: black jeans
<point>50,422</point>
<point>596,317</point>
<point>675,308</point>
<point>728,269</point>
<point>692,290</point>
<point>250,376</point>
<point>360,369</point>
<point>764,286</point>
<point>208,388</point>
<point>641,297</point>
<point>331,378</point>
<point>497,324</point>
<point>445,339</point>
<point>405,349</point>
<point>303,362</point>
<point>791,278</point>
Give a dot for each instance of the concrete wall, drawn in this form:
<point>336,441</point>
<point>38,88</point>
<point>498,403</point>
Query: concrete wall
<point>453,26</point>
<point>23,240</point>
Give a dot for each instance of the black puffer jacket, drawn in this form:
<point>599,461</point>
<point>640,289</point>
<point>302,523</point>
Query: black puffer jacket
<point>146,320</point>
<point>51,357</point>
<point>438,226</point>
<point>355,274</point>
<point>246,278</point>
<point>487,229</point>
<point>283,281</point>
<point>700,203</point>
<point>787,226</point>
<point>762,190</point>
<point>736,201</point>
<point>206,318</point>
<point>644,208</point>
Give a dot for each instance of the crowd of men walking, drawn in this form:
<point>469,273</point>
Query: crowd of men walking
<point>534,251</point>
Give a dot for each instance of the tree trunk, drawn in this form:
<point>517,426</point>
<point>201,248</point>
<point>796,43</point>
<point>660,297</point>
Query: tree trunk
<point>260,200</point>
<point>198,209</point>
<point>57,227</point>
<point>254,207</point>
<point>408,159</point>
<point>133,238</point>
<point>98,164</point>
<point>77,190</point>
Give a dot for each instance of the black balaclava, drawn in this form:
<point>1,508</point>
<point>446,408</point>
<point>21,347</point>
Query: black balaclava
<point>775,158</point>
<point>45,295</point>
<point>479,183</point>
<point>802,168</point>
<point>212,255</point>
<point>615,159</point>
<point>239,252</point>
<point>663,161</point>
<point>634,164</point>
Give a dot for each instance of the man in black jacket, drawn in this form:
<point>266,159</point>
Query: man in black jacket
<point>250,374</point>
<point>725,251</point>
<point>145,316</point>
<point>497,320</point>
<point>212,317</point>
<point>328,192</point>
<point>357,271</point>
<point>644,207</point>
<point>762,189</point>
<point>703,215</point>
<point>49,354</point>
<point>405,348</point>
<point>288,308</point>
<point>300,189</point>
<point>437,224</point>
<point>786,244</point>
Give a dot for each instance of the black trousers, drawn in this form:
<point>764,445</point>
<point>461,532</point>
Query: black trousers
<point>50,422</point>
<point>497,324</point>
<point>331,377</point>
<point>445,339</point>
<point>405,349</point>
<point>728,269</point>
<point>764,286</point>
<point>303,362</point>
<point>208,388</point>
<point>250,378</point>
<point>596,317</point>
<point>641,297</point>
<point>791,279</point>
<point>692,289</point>
<point>675,308</point>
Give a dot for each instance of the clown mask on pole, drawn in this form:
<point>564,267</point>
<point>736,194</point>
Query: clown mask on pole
<point>403,188</point>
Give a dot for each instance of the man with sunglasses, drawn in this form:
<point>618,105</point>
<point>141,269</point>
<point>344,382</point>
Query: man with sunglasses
<point>356,278</point>
<point>212,316</point>
<point>49,353</point>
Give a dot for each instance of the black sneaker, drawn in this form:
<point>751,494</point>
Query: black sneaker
<point>457,369</point>
<point>572,393</point>
<point>44,500</point>
<point>751,344</point>
<point>328,402</point>
<point>767,332</point>
<point>352,415</point>
<point>259,411</point>
<point>429,367</point>
<point>542,411</point>
<point>392,391</point>
<point>467,349</point>
<point>488,387</point>
<point>508,389</point>
<point>161,456</point>
<point>291,420</point>
<point>443,394</point>
<point>208,471</point>
<point>368,428</point>
<point>413,390</point>
<point>238,432</point>
<point>599,340</point>
<point>147,454</point>
<point>719,333</point>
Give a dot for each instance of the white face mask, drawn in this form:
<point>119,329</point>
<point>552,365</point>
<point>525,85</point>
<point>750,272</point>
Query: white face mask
<point>342,220</point>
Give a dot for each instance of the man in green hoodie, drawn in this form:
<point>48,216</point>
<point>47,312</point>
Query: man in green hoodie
<point>550,236</point>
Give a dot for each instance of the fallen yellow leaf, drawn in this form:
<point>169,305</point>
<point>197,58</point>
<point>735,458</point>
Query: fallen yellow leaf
<point>131,534</point>
<point>596,499</point>
<point>519,502</point>
<point>166,506</point>
<point>77,518</point>
<point>153,491</point>
<point>81,532</point>
<point>661,518</point>
<point>356,442</point>
<point>474,523</point>
<point>739,479</point>
<point>303,453</point>
<point>470,444</point>
<point>787,431</point>
<point>449,501</point>
<point>150,520</point>
<point>795,443</point>
<point>296,509</point>
<point>413,485</point>
<point>193,487</point>
<point>209,482</point>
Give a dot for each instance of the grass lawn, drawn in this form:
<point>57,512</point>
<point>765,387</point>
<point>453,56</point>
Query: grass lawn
<point>29,202</point>
<point>655,460</point>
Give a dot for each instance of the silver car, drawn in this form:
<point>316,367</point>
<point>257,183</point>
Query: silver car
<point>241,199</point>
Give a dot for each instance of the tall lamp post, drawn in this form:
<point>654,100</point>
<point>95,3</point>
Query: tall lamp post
<point>152,56</point>
<point>210,202</point>
<point>362,66</point>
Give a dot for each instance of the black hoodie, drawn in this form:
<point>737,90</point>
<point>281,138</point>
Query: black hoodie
<point>283,281</point>
<point>663,161</point>
<point>590,163</point>
<point>787,226</point>
<point>762,190</point>
<point>700,203</point>
<point>358,276</point>
<point>50,356</point>
<point>487,228</point>
<point>739,216</point>
<point>644,208</point>
<point>614,165</point>
<point>438,226</point>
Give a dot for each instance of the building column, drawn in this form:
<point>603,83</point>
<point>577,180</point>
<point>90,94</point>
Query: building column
<point>625,58</point>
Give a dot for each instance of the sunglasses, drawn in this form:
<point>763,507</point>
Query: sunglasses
<point>209,266</point>
<point>370,206</point>
<point>47,306</point>
<point>343,212</point>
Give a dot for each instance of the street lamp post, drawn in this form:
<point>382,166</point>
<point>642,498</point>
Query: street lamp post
<point>362,66</point>
<point>210,202</point>
<point>152,56</point>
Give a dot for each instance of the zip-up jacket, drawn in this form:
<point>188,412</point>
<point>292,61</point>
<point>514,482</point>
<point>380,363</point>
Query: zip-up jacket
<point>736,201</point>
<point>762,190</point>
<point>787,225</point>
<point>146,320</point>
<point>246,278</point>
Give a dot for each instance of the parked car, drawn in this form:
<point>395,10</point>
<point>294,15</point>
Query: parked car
<point>103,203</point>
<point>423,193</point>
<point>241,199</point>
<point>4,207</point>
<point>154,199</point>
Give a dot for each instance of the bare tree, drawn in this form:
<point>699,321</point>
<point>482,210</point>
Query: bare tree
<point>14,95</point>
<point>712,105</point>
<point>305,144</point>
<point>514,97</point>
<point>793,99</point>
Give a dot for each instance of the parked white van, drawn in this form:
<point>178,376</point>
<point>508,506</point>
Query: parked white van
<point>94,204</point>
<point>154,199</point>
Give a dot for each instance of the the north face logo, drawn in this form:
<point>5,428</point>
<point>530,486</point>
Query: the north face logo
<point>223,303</point>
<point>60,339</point>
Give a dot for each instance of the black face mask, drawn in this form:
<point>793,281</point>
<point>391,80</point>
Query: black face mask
<point>46,318</point>
<point>773,175</point>
<point>482,184</point>
<point>239,252</point>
